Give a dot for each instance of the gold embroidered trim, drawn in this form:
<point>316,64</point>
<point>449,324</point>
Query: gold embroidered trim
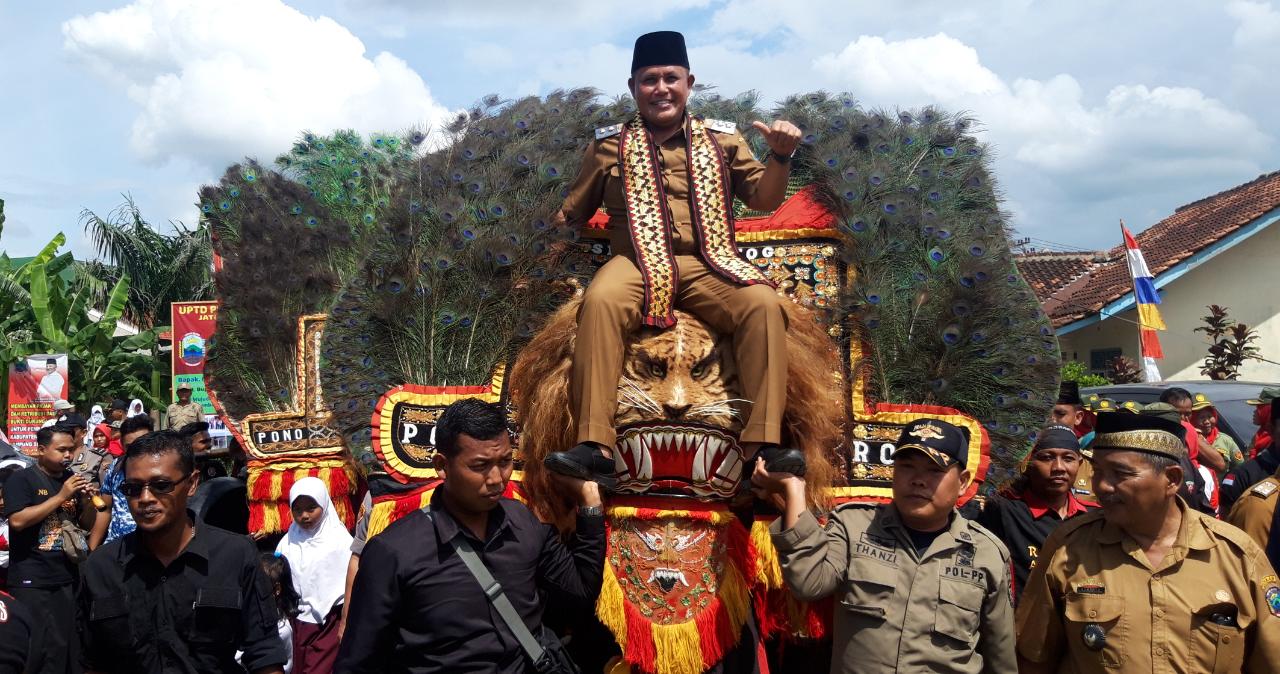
<point>1152,441</point>
<point>713,207</point>
<point>649,224</point>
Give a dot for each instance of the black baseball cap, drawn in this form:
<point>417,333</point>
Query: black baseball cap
<point>946,444</point>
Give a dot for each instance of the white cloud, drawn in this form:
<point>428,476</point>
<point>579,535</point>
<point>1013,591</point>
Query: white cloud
<point>1138,135</point>
<point>218,79</point>
<point>548,15</point>
<point>1259,23</point>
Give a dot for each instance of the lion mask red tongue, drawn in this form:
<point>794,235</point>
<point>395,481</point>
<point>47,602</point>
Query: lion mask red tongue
<point>692,459</point>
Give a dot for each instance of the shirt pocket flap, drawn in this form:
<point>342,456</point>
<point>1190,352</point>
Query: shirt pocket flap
<point>959,606</point>
<point>218,597</point>
<point>1224,613</point>
<point>1083,608</point>
<point>869,587</point>
<point>108,607</point>
<point>962,594</point>
<point>867,572</point>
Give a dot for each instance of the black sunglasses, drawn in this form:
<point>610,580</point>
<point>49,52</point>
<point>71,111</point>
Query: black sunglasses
<point>133,489</point>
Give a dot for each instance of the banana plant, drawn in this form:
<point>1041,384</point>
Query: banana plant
<point>43,312</point>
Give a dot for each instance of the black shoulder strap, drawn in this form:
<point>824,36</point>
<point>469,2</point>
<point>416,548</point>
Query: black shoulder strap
<point>494,592</point>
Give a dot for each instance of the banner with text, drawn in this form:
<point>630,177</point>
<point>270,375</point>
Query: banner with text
<point>35,383</point>
<point>193,326</point>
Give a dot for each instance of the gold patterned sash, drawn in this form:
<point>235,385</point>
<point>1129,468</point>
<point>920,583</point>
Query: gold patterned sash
<point>649,221</point>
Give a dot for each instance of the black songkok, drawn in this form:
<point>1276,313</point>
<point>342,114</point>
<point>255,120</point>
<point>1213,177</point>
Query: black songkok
<point>663,48</point>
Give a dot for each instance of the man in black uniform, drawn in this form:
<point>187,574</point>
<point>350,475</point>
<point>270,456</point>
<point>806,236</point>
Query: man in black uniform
<point>21,642</point>
<point>174,596</point>
<point>1023,516</point>
<point>1253,471</point>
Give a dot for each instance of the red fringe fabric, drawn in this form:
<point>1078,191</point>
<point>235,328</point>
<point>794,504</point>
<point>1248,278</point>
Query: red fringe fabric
<point>269,485</point>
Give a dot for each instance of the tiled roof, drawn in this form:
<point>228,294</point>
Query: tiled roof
<point>1049,273</point>
<point>1070,291</point>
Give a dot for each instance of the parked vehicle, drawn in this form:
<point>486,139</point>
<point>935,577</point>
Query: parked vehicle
<point>1235,417</point>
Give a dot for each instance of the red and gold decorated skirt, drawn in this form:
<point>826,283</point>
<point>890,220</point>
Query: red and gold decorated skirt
<point>678,582</point>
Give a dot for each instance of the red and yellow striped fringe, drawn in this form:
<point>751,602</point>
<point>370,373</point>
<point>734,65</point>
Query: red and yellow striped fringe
<point>691,647</point>
<point>270,482</point>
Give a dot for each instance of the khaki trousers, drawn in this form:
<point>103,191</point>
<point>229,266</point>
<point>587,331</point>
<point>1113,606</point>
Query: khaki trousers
<point>611,309</point>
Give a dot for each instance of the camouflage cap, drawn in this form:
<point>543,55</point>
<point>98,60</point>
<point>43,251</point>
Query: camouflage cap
<point>1163,411</point>
<point>1266,396</point>
<point>1200,401</point>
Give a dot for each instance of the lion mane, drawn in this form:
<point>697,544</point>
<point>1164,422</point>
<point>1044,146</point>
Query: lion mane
<point>540,379</point>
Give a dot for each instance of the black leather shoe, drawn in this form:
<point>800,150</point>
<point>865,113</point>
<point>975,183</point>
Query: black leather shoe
<point>585,462</point>
<point>782,460</point>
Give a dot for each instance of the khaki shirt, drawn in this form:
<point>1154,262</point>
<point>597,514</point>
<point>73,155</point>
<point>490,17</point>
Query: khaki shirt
<point>946,610</point>
<point>1093,576</point>
<point>177,416</point>
<point>599,183</point>
<point>1253,512</point>
<point>1083,486</point>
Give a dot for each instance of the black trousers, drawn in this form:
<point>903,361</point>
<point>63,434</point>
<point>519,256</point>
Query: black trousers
<point>55,612</point>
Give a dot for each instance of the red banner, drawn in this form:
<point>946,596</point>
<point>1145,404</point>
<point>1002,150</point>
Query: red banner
<point>35,383</point>
<point>193,324</point>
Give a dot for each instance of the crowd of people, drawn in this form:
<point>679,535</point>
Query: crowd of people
<point>1137,538</point>
<point>1144,569</point>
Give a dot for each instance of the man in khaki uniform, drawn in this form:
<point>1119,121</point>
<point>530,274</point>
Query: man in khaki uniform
<point>917,587</point>
<point>184,411</point>
<point>1254,512</point>
<point>667,180</point>
<point>1083,486</point>
<point>1147,584</point>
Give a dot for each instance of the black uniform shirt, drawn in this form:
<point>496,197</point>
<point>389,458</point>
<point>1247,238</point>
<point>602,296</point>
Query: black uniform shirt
<point>21,643</point>
<point>192,616</point>
<point>36,558</point>
<point>1238,480</point>
<point>1022,522</point>
<point>416,608</point>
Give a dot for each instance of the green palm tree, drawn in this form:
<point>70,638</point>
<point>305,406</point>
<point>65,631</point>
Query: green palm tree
<point>164,268</point>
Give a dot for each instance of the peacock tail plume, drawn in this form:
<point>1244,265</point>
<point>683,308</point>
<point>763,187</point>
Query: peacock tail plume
<point>436,264</point>
<point>469,260</point>
<point>287,238</point>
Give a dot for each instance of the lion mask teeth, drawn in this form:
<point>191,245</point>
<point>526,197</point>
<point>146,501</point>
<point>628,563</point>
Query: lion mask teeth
<point>705,461</point>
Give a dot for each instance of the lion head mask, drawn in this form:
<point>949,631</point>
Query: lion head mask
<point>681,385</point>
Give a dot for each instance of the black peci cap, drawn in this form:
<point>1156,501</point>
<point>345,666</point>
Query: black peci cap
<point>945,443</point>
<point>663,48</point>
<point>1069,394</point>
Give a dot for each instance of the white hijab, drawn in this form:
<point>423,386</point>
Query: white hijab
<point>96,416</point>
<point>136,408</point>
<point>318,558</point>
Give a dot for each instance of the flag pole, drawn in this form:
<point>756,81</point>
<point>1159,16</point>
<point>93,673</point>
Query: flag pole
<point>1145,299</point>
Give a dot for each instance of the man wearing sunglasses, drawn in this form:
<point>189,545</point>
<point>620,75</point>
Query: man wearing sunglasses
<point>176,594</point>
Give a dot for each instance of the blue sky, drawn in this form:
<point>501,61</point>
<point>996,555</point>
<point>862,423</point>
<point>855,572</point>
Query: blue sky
<point>1096,110</point>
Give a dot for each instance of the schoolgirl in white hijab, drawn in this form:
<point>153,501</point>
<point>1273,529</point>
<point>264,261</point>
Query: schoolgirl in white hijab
<point>318,556</point>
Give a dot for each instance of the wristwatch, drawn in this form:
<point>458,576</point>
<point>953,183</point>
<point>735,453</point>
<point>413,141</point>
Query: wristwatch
<point>774,155</point>
<point>590,511</point>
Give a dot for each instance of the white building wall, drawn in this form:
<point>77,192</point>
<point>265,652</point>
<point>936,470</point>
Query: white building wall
<point>1245,279</point>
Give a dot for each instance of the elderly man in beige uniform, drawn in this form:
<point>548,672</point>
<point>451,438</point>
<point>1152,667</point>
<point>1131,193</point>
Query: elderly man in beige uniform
<point>1147,585</point>
<point>918,588</point>
<point>667,181</point>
